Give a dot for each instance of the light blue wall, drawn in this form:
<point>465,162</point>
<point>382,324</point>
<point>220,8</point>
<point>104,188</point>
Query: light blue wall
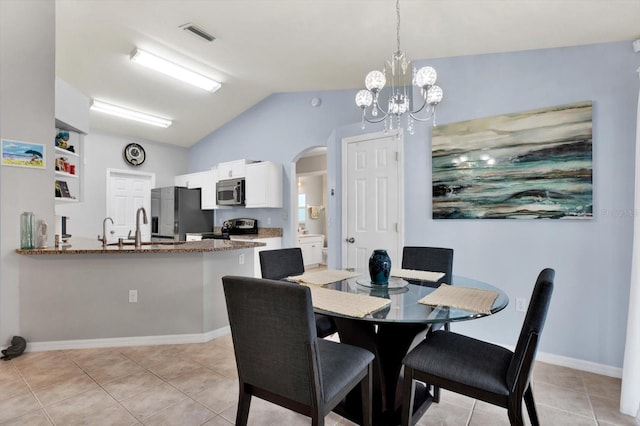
<point>277,129</point>
<point>587,319</point>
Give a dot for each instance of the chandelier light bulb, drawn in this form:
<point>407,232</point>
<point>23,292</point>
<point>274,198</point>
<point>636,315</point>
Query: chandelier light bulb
<point>364,98</point>
<point>425,77</point>
<point>434,95</point>
<point>375,81</point>
<point>398,104</point>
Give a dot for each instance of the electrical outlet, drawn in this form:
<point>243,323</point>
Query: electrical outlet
<point>133,296</point>
<point>268,221</point>
<point>521,304</point>
<point>241,259</point>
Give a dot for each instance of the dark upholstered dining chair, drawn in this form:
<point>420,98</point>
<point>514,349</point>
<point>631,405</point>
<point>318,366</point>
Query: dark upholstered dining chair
<point>435,259</point>
<point>282,263</point>
<point>279,356</point>
<point>479,369</point>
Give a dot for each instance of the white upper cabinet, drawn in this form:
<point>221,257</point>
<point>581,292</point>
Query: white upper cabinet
<point>182,180</point>
<point>263,185</point>
<point>208,194</point>
<point>233,169</point>
<point>206,181</point>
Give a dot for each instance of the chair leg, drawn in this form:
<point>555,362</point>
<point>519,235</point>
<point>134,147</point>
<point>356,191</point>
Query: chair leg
<point>514,410</point>
<point>317,419</point>
<point>531,406</point>
<point>436,394</point>
<point>244,402</point>
<point>367,395</point>
<point>408,395</point>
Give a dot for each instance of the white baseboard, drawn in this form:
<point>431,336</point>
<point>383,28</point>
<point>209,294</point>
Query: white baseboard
<point>563,361</point>
<point>580,364</point>
<point>576,364</point>
<point>127,341</point>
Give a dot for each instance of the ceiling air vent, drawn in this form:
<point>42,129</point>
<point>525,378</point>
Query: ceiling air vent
<point>198,32</point>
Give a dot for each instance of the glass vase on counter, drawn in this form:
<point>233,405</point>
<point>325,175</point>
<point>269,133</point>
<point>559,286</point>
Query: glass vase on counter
<point>27,231</point>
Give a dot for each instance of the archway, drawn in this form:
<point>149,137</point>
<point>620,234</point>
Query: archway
<point>309,200</point>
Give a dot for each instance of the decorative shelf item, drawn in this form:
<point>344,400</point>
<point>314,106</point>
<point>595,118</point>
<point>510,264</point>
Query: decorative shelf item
<point>62,189</point>
<point>68,165</point>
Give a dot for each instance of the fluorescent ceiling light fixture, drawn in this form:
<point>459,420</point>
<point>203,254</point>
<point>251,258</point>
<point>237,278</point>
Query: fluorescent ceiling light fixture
<point>172,70</point>
<point>129,114</point>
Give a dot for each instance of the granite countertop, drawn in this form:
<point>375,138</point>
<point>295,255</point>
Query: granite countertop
<point>87,246</point>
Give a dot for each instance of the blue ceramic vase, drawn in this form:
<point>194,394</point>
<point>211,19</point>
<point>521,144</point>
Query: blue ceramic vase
<point>379,267</point>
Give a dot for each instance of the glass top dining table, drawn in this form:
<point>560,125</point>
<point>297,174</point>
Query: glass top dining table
<point>391,331</point>
<point>404,295</point>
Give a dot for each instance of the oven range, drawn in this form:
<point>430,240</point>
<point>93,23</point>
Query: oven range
<point>239,226</point>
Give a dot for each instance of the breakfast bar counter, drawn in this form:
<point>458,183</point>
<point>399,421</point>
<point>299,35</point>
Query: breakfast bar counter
<point>85,295</point>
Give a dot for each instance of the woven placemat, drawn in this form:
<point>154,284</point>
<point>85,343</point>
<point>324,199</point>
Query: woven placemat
<point>413,274</point>
<point>469,299</point>
<point>327,276</point>
<point>349,304</point>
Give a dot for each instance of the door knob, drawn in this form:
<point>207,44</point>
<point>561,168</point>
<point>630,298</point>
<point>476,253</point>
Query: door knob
<point>351,240</point>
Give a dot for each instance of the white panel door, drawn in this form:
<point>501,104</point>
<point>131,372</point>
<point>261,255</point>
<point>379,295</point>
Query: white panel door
<point>126,192</point>
<point>372,188</point>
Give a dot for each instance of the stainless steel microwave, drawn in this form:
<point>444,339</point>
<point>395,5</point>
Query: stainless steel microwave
<point>230,192</point>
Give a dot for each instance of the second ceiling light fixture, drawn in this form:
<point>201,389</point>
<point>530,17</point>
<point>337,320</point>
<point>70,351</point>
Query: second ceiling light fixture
<point>163,66</point>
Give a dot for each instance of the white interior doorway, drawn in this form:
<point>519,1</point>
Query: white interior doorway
<point>126,192</point>
<point>372,198</point>
<point>309,205</point>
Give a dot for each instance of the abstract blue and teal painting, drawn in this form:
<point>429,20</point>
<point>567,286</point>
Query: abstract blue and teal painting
<point>527,165</point>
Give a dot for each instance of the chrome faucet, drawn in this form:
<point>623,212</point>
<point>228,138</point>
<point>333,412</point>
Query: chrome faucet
<point>104,231</point>
<point>138,240</point>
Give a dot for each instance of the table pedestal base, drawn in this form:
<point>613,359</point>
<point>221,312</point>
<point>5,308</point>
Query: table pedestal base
<point>389,343</point>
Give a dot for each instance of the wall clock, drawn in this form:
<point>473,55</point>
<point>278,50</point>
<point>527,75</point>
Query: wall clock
<point>134,154</point>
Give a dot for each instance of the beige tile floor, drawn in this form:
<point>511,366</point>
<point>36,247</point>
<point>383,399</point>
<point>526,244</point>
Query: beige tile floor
<point>196,384</point>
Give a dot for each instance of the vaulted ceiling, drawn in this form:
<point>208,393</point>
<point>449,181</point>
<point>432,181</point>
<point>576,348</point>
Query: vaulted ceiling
<point>271,46</point>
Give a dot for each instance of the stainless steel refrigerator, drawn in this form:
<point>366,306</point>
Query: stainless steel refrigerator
<point>175,211</point>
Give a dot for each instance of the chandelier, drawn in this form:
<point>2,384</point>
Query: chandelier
<point>401,76</point>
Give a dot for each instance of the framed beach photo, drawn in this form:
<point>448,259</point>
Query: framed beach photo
<point>23,154</point>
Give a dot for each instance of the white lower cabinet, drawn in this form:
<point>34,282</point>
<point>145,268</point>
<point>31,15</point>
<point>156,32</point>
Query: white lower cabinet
<point>311,246</point>
<point>272,243</point>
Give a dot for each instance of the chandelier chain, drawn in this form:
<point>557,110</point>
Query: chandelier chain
<point>398,24</point>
